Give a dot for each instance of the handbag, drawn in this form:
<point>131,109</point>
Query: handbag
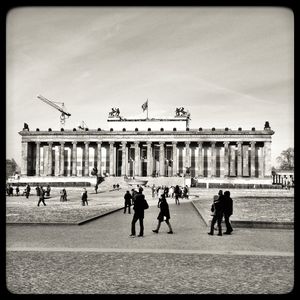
<point>146,206</point>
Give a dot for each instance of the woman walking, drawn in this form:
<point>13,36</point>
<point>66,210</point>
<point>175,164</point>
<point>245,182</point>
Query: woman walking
<point>164,212</point>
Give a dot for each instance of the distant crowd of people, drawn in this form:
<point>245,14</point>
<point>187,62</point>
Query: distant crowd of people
<point>175,192</point>
<point>222,206</point>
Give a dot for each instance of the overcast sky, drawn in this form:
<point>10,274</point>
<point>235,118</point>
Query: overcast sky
<point>230,67</point>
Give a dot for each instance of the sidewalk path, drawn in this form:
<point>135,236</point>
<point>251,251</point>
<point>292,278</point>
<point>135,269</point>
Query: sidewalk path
<point>55,259</point>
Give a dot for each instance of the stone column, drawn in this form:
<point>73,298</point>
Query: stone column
<point>50,159</point>
<point>24,158</point>
<point>245,160</point>
<point>261,163</point>
<point>37,164</point>
<point>252,163</point>
<point>232,170</point>
<point>267,160</point>
<point>74,159</point>
<point>56,161</point>
<point>239,159</point>
<point>187,155</point>
<point>99,164</point>
<point>226,159</point>
<point>62,159</point>
<point>136,158</point>
<point>174,157</point>
<point>213,159</point>
<point>126,160</point>
<point>86,159</point>
<point>200,166</point>
<point>161,159</point>
<point>149,156</point>
<point>111,158</point>
<point>123,168</point>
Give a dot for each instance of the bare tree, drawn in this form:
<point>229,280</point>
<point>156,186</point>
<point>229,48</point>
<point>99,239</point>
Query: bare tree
<point>286,159</point>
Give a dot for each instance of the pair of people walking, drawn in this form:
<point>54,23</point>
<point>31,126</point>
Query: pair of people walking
<point>140,204</point>
<point>222,206</point>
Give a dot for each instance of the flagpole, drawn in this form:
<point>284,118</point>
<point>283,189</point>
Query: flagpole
<point>147,109</point>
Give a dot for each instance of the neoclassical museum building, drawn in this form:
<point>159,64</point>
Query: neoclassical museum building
<point>164,148</point>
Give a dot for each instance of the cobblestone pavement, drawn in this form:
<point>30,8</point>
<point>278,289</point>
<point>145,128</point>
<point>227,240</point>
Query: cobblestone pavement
<point>100,257</point>
<point>150,273</point>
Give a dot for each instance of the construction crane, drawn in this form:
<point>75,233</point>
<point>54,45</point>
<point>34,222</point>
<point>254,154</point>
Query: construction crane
<point>63,115</point>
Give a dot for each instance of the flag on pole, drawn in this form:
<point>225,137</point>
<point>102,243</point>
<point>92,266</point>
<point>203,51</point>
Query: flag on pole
<point>145,105</point>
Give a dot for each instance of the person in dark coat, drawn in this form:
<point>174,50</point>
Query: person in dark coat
<point>133,193</point>
<point>164,212</point>
<point>17,190</point>
<point>84,197</point>
<point>177,194</point>
<point>27,189</point>
<point>48,190</point>
<point>217,209</point>
<point>11,191</point>
<point>41,197</point>
<point>228,210</point>
<point>138,207</point>
<point>37,190</point>
<point>127,198</point>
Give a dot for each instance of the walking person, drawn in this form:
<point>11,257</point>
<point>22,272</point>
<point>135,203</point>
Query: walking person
<point>127,198</point>
<point>153,190</point>
<point>65,195</point>
<point>138,207</point>
<point>62,195</point>
<point>37,190</point>
<point>27,189</point>
<point>186,192</point>
<point>96,188</point>
<point>164,212</point>
<point>84,197</point>
<point>177,193</point>
<point>217,209</point>
<point>41,197</point>
<point>228,210</point>
<point>17,190</point>
<point>48,190</point>
<point>11,191</point>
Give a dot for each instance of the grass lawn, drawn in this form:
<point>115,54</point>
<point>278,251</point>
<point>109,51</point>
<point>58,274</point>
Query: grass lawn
<point>270,209</point>
<point>22,210</point>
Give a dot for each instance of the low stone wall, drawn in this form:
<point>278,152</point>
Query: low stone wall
<point>236,186</point>
<point>55,184</point>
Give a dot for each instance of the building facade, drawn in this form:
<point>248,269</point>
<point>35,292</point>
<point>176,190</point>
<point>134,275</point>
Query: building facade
<point>200,153</point>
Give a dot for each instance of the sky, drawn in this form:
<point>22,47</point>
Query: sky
<point>229,66</point>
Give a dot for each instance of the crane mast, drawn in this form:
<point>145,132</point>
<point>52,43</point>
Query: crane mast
<point>61,109</point>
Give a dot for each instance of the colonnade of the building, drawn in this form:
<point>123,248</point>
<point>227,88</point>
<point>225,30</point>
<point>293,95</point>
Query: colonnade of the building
<point>200,159</point>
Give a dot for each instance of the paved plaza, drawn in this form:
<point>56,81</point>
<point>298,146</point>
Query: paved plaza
<point>99,257</point>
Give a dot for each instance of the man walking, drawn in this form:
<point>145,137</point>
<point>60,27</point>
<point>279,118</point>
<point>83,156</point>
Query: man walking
<point>138,207</point>
<point>27,189</point>
<point>41,197</point>
<point>84,197</point>
<point>228,209</point>
<point>164,212</point>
